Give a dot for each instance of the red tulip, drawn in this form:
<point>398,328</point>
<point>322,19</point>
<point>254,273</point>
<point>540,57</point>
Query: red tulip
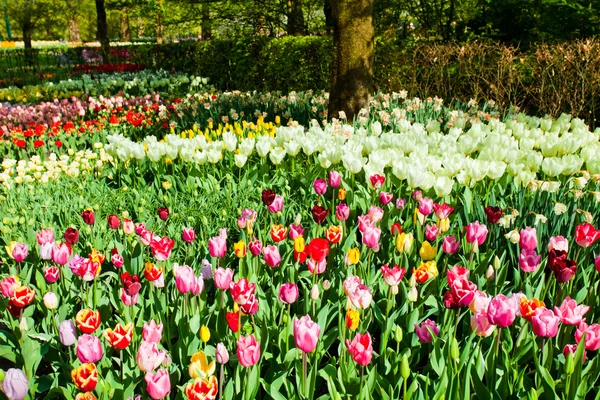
<point>113,221</point>
<point>318,249</point>
<point>319,214</point>
<point>88,217</point>
<point>586,235</point>
<point>361,348</point>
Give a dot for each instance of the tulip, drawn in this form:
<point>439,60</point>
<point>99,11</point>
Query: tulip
<point>46,251</point>
<point>563,268</point>
<point>463,291</point>
<point>188,235</point>
<point>163,213</point>
<point>361,296</point>
<point>361,348</point>
<point>442,211</point>
<point>85,377</point>
<point>586,235</point>
<point>335,179</point>
<point>501,311</point>
<point>427,252</point>
<point>128,300</point>
<point>450,301</point>
<point>19,252</point>
<point>217,246</point>
<point>272,256</point>
<point>476,232</point>
<point>255,247</point>
<point>288,293</point>
<point>199,366</point>
<point>425,330</point>
<point>161,248</point>
<point>528,239</point>
<point>152,332</point>
<point>319,214</point>
<point>385,198</point>
<point>431,232</point>
<point>400,203</point>
<point>352,256</point>
<point>50,300</point>
<point>51,274</point>
<point>318,249</point>
<point>529,261</point>
<point>113,221</point>
<point>352,319</point>
<point>15,385</point>
<point>117,260</point>
<point>306,333</point>
<point>370,238</point>
<point>544,323</point>
<point>342,212</point>
<point>450,245</point>
<point>376,181</point>
<point>558,243</point>
<point>316,267</point>
<point>89,349</point>
<point>571,349</point>
<point>149,357</point>
<point>396,229</point>
<point>277,204</point>
<point>221,354</point>
<point>314,292</point>
<point>592,335</point>
<point>71,236</point>
<point>88,217</point>
<point>66,333</point>
<point>334,234</point>
<point>481,324</point>
<point>392,276</point>
<point>527,308</point>
<point>425,206</point>
<point>241,291</point>
<point>248,350</point>
<point>268,196</point>
<point>320,186</point>
<point>493,214</point>
<point>185,280</point>
<point>570,313</point>
<point>158,384</point>
<point>61,253</point>
<point>22,297</point>
<point>404,242</point>
<point>443,225</point>
<point>222,278</point>
<point>204,333</point>
<point>120,337</point>
<point>278,233</point>
<point>341,194</point>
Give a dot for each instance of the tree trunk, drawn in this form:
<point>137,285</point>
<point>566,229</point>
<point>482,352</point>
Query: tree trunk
<point>353,58</point>
<point>328,16</point>
<point>159,28</point>
<point>140,27</point>
<point>295,25</point>
<point>206,25</point>
<point>102,32</point>
<point>125,32</point>
<point>27,30</point>
<point>74,34</point>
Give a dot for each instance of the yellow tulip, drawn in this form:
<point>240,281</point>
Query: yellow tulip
<point>404,242</point>
<point>299,245</point>
<point>199,367</point>
<point>443,225</point>
<point>352,319</point>
<point>427,252</point>
<point>204,333</point>
<point>354,255</point>
<point>342,194</point>
<point>239,249</point>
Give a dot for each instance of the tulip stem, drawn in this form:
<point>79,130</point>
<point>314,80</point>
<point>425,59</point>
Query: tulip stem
<point>121,359</point>
<point>362,382</point>
<point>221,377</point>
<point>305,389</point>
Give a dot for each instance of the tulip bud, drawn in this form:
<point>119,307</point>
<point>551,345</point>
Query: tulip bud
<point>533,394</point>
<point>454,351</point>
<point>50,301</point>
<point>489,274</point>
<point>326,284</point>
<point>569,364</point>
<point>314,292</point>
<point>514,236</point>
<point>398,334</point>
<point>23,324</point>
<point>404,367</point>
<point>413,294</point>
<point>222,355</point>
<point>167,360</point>
<point>413,280</point>
<point>204,333</point>
<point>298,219</point>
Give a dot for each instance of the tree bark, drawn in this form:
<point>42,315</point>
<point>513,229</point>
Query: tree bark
<point>328,16</point>
<point>125,32</point>
<point>295,25</point>
<point>27,29</point>
<point>74,33</point>
<point>102,32</point>
<point>206,25</point>
<point>353,58</point>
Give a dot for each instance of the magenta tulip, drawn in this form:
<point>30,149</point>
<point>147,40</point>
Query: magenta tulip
<point>502,311</point>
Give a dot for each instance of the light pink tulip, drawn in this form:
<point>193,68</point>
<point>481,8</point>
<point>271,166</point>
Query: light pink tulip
<point>158,384</point>
<point>528,239</point>
<point>149,357</point>
<point>544,323</point>
<point>184,278</point>
<point>152,332</point>
<point>277,204</point>
<point>501,311</point>
<point>89,349</point>
<point>569,312</point>
<point>248,350</point>
<point>272,256</point>
<point>288,293</point>
<point>223,277</point>
<point>425,330</point>
<point>306,333</point>
<point>529,261</point>
<point>450,245</point>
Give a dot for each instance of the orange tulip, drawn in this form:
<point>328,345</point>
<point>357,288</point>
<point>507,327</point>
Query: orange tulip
<point>334,234</point>
<point>528,307</point>
<point>278,233</point>
<point>85,396</point>
<point>88,320</point>
<point>22,296</point>
<point>120,337</point>
<point>152,272</point>
<point>85,377</point>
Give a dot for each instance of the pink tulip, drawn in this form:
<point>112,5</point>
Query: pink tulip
<point>571,349</point>
<point>592,335</point>
<point>463,291</point>
<point>188,235</point>
<point>51,274</point>
<point>480,302</point>
<point>198,285</point>
<point>45,236</point>
<point>184,278</point>
<point>251,306</point>
<point>569,312</point>
<point>161,248</point>
<point>456,272</point>
<point>152,332</point>
<point>361,348</point>
<point>501,311</point>
<point>248,350</point>
<point>296,230</point>
<point>89,349</point>
<point>221,354</point>
<point>544,323</point>
<point>529,261</point>
<point>370,238</point>
<point>149,357</point>
<point>400,203</point>
<point>158,384</point>
<point>288,293</point>
<point>417,195</point>
<point>481,324</point>
<point>46,251</point>
<point>528,239</point>
<point>223,278</point>
<point>425,206</point>
<point>128,226</point>
<point>360,296</point>
<point>320,186</point>
<point>306,333</point>
<point>8,286</point>
<point>272,256</point>
<point>476,232</point>
<point>392,276</point>
<point>385,198</point>
<point>61,253</point>
<point>277,204</point>
<point>431,232</point>
<point>342,212</point>
<point>117,260</point>
<point>450,245</point>
<point>375,214</point>
<point>558,243</point>
<point>425,330</point>
<point>217,246</point>
<point>127,299</point>
<point>442,211</point>
<point>316,267</point>
<point>19,252</point>
<point>241,291</point>
<point>335,179</point>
